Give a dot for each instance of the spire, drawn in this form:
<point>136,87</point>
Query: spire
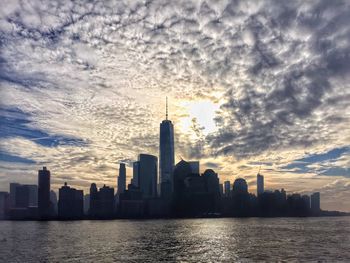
<point>166,111</point>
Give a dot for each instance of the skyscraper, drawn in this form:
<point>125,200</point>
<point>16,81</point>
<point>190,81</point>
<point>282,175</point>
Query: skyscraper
<point>135,174</point>
<point>44,193</point>
<point>260,184</point>
<point>315,202</point>
<point>13,187</point>
<point>148,170</point>
<point>70,204</point>
<point>121,179</point>
<point>227,187</point>
<point>166,155</point>
<point>240,186</point>
<point>194,166</point>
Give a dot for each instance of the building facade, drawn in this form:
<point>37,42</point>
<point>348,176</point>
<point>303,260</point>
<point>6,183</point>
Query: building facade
<point>44,193</point>
<point>260,184</point>
<point>121,179</point>
<point>166,156</point>
<point>148,171</point>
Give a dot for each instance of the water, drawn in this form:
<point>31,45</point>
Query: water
<point>187,240</point>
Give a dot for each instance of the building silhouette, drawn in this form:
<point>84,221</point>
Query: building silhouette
<point>93,209</point>
<point>23,195</point>
<point>70,203</point>
<point>240,186</point>
<point>260,184</point>
<point>147,172</point>
<point>315,203</point>
<point>12,197</point>
<point>135,174</point>
<point>102,202</point>
<point>227,188</point>
<point>54,202</point>
<point>166,156</point>
<point>121,179</point>
<point>195,194</point>
<point>44,207</point>
<point>194,167</point>
<point>4,205</point>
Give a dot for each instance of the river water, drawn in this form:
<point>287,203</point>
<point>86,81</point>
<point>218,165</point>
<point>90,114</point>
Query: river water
<point>173,240</point>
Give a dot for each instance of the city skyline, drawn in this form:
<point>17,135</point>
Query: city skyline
<point>249,85</point>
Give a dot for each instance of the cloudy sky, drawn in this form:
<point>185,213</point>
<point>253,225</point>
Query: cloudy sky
<point>250,83</point>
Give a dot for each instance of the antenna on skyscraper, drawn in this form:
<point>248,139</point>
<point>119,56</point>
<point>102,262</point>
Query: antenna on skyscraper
<point>166,110</point>
<point>259,169</point>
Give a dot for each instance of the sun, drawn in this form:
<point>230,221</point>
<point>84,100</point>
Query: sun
<point>201,112</point>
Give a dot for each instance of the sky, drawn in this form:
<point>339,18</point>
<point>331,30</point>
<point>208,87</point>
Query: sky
<point>250,84</point>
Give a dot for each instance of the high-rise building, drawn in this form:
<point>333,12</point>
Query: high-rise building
<point>121,179</point>
<point>240,186</point>
<point>86,204</point>
<point>148,170</point>
<point>44,193</point>
<point>33,194</point>
<point>70,203</point>
<point>13,187</point>
<point>194,166</point>
<point>221,186</point>
<point>93,200</point>
<point>260,184</point>
<point>106,202</point>
<point>315,202</point>
<point>135,174</point>
<point>212,182</point>
<point>166,155</point>
<point>227,187</point>
<point>22,196</point>
<point>101,202</point>
<point>54,201</point>
<point>4,204</point>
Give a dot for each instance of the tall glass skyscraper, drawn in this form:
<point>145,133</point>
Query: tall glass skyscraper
<point>166,155</point>
<point>44,193</point>
<point>121,179</point>
<point>260,184</point>
<point>148,171</point>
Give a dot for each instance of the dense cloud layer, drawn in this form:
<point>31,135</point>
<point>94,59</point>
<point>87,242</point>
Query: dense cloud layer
<point>83,84</point>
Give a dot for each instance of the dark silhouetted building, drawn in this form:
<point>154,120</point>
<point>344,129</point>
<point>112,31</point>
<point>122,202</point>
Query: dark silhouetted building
<point>54,202</point>
<point>135,174</point>
<point>93,209</point>
<point>148,171</point>
<point>221,186</point>
<point>13,187</point>
<point>259,184</point>
<point>212,182</point>
<point>240,186</point>
<point>166,156</point>
<point>23,195</point>
<point>106,202</point>
<point>86,204</point>
<point>181,171</point>
<point>121,179</point>
<point>195,194</point>
<point>227,188</point>
<point>4,205</point>
<point>102,203</point>
<point>70,203</point>
<point>44,206</point>
<point>315,202</point>
<point>194,167</point>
